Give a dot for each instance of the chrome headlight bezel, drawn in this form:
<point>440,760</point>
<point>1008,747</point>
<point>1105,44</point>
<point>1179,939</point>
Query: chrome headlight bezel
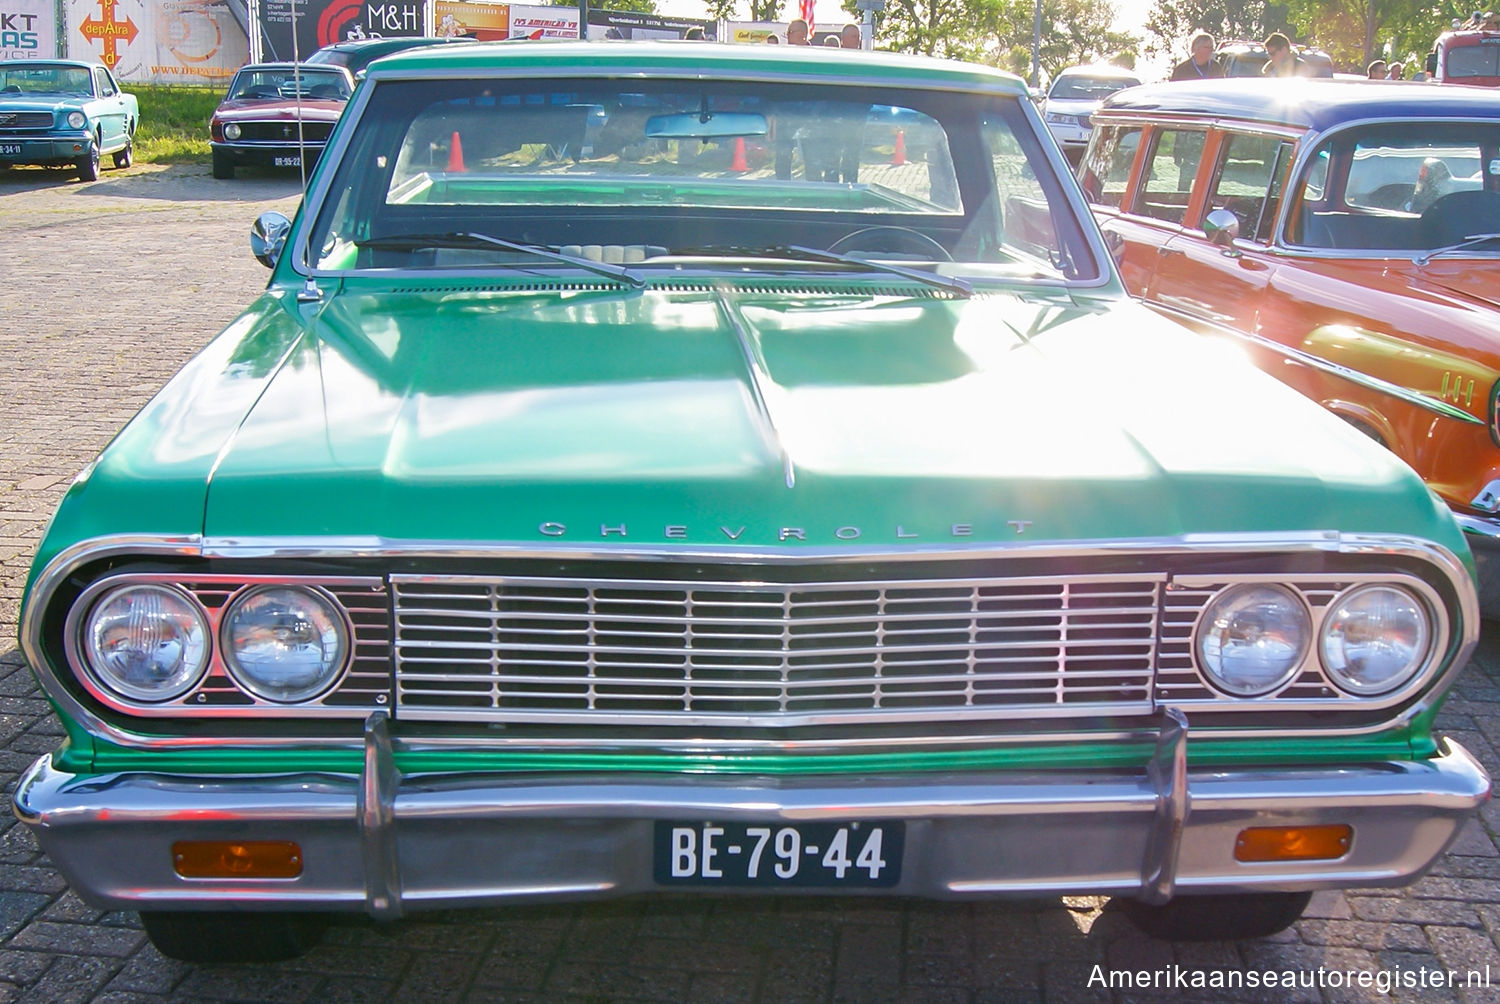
<point>232,131</point>
<point>246,679</point>
<point>1423,649</point>
<point>1208,622</point>
<point>77,120</point>
<point>93,660</point>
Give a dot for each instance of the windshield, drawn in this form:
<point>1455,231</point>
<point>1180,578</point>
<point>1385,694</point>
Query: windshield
<point>1081,88</point>
<point>1481,60</point>
<point>45,78</point>
<point>252,85</point>
<point>1406,187</point>
<point>658,171</point>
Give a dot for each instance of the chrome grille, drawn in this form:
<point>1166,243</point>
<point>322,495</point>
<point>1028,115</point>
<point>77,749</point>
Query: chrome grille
<point>650,651</point>
<point>283,132</point>
<point>25,120</point>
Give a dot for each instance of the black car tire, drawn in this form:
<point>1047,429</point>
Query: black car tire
<point>1241,917</point>
<point>124,158</point>
<point>223,166</point>
<point>232,937</point>
<point>88,164</point>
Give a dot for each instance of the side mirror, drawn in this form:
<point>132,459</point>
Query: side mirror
<point>268,237</point>
<point>1222,227</point>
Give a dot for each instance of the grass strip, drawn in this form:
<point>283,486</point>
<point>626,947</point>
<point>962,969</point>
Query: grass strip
<point>174,122</point>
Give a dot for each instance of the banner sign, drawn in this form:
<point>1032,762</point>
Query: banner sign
<point>755,31</point>
<point>28,29</point>
<point>488,22</point>
<point>624,24</point>
<point>543,22</point>
<point>323,22</point>
<point>159,41</point>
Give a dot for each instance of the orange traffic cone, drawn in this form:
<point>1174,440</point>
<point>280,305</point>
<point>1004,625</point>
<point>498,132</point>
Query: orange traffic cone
<point>456,155</point>
<point>899,157</point>
<point>738,163</point>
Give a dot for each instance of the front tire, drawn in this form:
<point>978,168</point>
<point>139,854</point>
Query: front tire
<point>215,937</point>
<point>1241,917</point>
<point>223,166</point>
<point>88,165</point>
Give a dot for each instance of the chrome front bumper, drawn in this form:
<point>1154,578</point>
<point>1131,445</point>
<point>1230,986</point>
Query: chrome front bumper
<point>385,844</point>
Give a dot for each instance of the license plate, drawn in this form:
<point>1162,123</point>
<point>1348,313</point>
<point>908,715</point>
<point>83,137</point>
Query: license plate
<point>287,162</point>
<point>10,147</point>
<point>854,855</point>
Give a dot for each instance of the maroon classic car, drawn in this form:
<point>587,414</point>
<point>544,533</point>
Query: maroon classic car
<point>276,112</point>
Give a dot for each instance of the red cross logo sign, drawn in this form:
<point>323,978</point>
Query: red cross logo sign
<point>109,31</point>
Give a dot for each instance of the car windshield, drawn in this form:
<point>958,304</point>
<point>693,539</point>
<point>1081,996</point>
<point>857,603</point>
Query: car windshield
<point>253,85</point>
<point>331,57</point>
<point>1474,60</point>
<point>1082,88</point>
<point>45,78</point>
<point>1401,187</point>
<point>660,171</point>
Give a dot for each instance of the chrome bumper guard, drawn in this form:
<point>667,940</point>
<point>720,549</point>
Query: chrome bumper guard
<point>383,843</point>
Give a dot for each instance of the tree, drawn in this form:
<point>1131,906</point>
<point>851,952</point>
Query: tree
<point>632,6</point>
<point>1171,23</point>
<point>760,10</point>
<point>1357,31</point>
<point>999,32</point>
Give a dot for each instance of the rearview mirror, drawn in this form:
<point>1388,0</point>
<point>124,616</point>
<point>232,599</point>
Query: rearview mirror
<point>708,125</point>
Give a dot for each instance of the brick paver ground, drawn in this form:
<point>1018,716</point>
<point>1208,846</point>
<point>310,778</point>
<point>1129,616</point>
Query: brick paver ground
<point>105,289</point>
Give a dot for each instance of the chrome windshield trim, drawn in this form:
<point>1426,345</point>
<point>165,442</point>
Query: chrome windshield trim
<point>1354,376</point>
<point>338,142</point>
<point>1465,636</point>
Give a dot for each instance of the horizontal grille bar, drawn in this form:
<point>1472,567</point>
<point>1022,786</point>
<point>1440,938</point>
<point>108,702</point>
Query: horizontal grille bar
<point>730,653</point>
<point>25,120</point>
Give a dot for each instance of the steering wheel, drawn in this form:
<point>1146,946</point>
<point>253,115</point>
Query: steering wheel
<point>906,235</point>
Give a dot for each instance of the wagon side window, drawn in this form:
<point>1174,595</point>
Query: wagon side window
<point>1248,182</point>
<point>1170,169</point>
<point>1106,167</point>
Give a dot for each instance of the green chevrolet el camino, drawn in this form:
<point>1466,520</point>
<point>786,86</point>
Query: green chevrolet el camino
<point>680,467</point>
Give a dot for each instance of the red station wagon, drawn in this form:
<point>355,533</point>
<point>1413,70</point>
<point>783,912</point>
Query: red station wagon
<point>1347,234</point>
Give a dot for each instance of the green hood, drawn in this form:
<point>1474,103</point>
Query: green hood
<point>750,418</point>
<point>482,415</point>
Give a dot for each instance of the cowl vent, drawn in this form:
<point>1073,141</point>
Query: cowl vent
<point>691,286</point>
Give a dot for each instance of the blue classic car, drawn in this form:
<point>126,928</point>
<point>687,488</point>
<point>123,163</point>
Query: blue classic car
<point>57,112</point>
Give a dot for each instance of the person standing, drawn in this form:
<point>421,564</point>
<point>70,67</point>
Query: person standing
<point>1398,71</point>
<point>796,32</point>
<point>1283,62</point>
<point>849,37</point>
<point>1376,70</point>
<point>1200,64</point>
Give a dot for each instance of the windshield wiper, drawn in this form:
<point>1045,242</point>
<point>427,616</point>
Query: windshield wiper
<point>796,252</point>
<point>1470,241</point>
<point>953,285</point>
<point>462,239</point>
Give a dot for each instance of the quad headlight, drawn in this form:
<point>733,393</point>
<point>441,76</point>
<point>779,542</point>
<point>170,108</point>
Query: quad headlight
<point>284,643</point>
<point>1374,638</point>
<point>147,642</point>
<point>76,120</point>
<point>1252,638</point>
<point>231,130</point>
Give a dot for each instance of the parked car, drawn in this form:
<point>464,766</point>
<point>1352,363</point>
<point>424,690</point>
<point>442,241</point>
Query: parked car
<point>1074,95</point>
<point>357,53</point>
<point>1337,231</point>
<point>567,523</point>
<point>61,112</point>
<point>1248,59</point>
<point>275,113</point>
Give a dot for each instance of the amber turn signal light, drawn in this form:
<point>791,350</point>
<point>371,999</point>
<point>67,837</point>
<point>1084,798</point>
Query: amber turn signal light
<point>1293,843</point>
<point>237,859</point>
